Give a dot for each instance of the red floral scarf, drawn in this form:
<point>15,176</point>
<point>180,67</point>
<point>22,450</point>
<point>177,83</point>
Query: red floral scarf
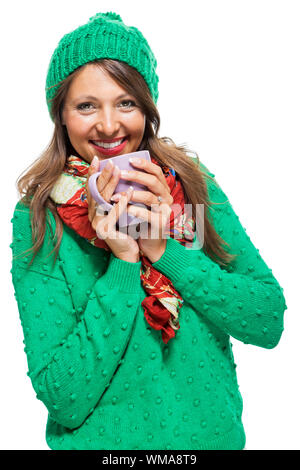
<point>161,307</point>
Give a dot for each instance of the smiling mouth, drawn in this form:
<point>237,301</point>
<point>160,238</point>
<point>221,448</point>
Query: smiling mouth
<point>106,145</point>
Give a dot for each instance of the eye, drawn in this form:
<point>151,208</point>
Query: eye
<point>87,106</point>
<point>128,101</point>
<point>84,106</point>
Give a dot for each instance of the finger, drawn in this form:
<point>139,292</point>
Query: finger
<point>112,184</point>
<point>98,215</point>
<point>144,197</point>
<point>120,207</point>
<point>94,167</point>
<point>145,179</point>
<point>151,182</point>
<point>139,196</point>
<point>101,182</point>
<point>108,223</point>
<point>155,218</point>
<point>151,168</point>
<point>105,176</point>
<point>110,219</point>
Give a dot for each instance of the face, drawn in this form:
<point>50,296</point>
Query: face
<point>97,109</point>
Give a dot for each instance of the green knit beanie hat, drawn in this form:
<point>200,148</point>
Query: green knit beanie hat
<point>103,36</point>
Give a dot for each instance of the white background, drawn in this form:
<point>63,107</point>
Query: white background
<point>229,88</point>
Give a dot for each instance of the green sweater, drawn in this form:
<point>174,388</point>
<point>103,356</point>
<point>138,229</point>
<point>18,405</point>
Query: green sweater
<point>106,377</point>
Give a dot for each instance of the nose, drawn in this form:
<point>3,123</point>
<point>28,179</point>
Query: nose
<point>108,123</point>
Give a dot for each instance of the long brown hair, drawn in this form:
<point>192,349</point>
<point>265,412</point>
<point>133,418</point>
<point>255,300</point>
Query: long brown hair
<point>35,185</point>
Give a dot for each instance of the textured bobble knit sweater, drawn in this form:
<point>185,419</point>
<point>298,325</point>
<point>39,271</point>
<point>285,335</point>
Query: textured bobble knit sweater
<point>106,377</point>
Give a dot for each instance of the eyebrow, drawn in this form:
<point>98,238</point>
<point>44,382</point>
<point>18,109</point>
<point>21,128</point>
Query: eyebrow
<point>93,98</point>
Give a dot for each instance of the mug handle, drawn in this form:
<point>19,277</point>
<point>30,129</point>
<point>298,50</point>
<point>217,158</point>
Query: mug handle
<point>95,193</point>
<point>125,219</point>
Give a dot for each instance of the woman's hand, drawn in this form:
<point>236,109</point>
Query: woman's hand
<point>151,242</point>
<point>122,245</point>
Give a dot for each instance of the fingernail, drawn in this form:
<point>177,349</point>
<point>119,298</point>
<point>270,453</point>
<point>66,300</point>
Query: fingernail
<point>95,161</point>
<point>116,171</point>
<point>134,160</point>
<point>124,172</point>
<point>115,197</point>
<point>110,163</point>
<point>130,189</point>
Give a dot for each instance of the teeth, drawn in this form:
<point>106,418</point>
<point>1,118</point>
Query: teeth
<point>108,146</point>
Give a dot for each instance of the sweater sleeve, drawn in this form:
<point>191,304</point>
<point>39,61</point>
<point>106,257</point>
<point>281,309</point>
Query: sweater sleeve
<point>72,360</point>
<point>244,300</point>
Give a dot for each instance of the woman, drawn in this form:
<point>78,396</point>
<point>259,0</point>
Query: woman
<point>128,338</point>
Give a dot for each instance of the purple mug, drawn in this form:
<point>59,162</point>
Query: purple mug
<point>121,161</point>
